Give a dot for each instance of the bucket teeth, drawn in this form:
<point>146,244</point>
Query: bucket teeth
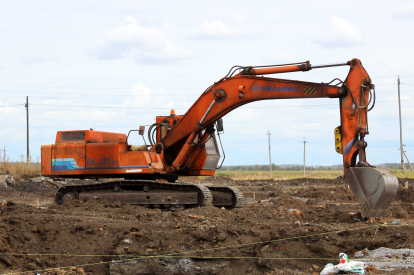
<point>374,188</point>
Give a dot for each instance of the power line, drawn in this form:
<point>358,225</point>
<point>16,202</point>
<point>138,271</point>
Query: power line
<point>128,88</point>
<point>202,89</point>
<point>105,107</point>
<point>384,77</point>
<point>111,99</point>
<point>10,105</point>
<point>94,88</point>
<point>12,97</point>
<point>115,107</point>
<point>393,92</point>
<point>295,141</point>
<point>69,98</point>
<point>118,107</point>
<point>160,108</point>
<point>260,107</point>
<point>155,108</point>
<point>125,95</point>
<point>83,94</point>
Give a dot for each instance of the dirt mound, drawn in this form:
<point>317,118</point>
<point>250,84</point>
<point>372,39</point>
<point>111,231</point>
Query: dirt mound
<point>406,191</point>
<point>301,218</point>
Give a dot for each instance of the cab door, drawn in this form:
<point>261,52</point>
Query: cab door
<point>212,152</point>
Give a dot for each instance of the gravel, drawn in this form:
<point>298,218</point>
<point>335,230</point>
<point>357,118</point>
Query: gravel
<point>387,259</point>
<point>301,199</point>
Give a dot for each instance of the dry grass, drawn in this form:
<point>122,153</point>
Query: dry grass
<point>278,175</point>
<point>286,175</point>
<point>403,173</point>
<point>28,169</point>
<point>32,169</point>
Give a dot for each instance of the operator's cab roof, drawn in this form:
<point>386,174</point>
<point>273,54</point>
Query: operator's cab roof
<point>88,136</point>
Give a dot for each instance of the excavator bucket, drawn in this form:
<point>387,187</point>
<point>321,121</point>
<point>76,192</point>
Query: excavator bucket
<point>374,188</point>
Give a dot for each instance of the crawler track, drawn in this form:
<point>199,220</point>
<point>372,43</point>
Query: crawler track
<point>154,194</point>
<point>234,194</point>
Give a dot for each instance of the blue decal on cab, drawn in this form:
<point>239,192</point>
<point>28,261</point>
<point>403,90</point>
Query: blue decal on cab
<point>64,164</point>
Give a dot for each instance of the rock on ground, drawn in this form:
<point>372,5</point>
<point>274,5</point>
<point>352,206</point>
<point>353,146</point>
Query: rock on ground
<point>6,180</point>
<point>388,259</point>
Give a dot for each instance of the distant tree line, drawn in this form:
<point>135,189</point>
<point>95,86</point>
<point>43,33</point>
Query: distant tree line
<point>293,167</point>
<point>394,165</point>
<point>296,167</point>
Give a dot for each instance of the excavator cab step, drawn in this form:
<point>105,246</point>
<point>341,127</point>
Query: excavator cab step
<point>375,189</point>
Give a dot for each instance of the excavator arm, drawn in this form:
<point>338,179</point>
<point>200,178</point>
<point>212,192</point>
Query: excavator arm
<point>375,188</point>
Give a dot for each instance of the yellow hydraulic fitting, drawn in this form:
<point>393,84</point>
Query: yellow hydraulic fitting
<point>338,140</point>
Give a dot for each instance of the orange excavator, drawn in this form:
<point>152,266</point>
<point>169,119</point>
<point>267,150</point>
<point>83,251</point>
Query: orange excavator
<point>186,145</point>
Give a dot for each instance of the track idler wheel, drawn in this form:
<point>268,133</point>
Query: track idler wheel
<point>375,189</point>
<point>70,196</point>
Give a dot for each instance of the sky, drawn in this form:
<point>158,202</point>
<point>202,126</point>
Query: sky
<point>115,65</point>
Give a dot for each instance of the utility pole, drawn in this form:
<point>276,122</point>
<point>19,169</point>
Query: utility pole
<point>27,124</point>
<point>407,158</point>
<point>4,154</point>
<point>408,161</point>
<point>304,156</point>
<point>401,144</point>
<point>270,158</point>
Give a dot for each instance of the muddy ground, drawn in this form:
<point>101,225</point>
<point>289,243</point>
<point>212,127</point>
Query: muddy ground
<point>301,218</point>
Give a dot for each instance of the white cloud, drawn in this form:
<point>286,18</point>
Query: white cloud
<point>340,33</point>
<point>216,30</point>
<point>144,97</point>
<point>139,92</point>
<point>144,45</point>
<point>406,12</point>
<point>31,60</point>
<point>133,8</point>
<point>283,56</point>
<point>397,65</point>
<point>240,16</point>
<point>9,110</point>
